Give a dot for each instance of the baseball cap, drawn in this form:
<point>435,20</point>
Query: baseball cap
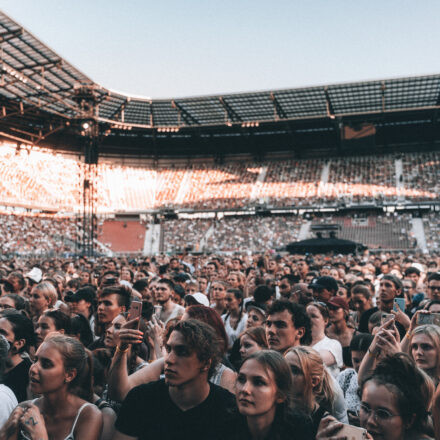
<point>35,275</point>
<point>197,298</point>
<point>325,282</point>
<point>86,293</point>
<point>339,302</point>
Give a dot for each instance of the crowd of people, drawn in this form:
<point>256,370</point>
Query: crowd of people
<point>256,346</point>
<point>39,178</point>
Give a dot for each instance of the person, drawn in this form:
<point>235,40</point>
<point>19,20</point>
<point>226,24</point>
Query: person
<point>348,380</point>
<point>395,401</point>
<point>434,286</point>
<point>252,340</point>
<point>234,319</point>
<point>83,302</point>
<point>8,401</point>
<point>165,290</point>
<point>19,332</point>
<point>256,314</point>
<point>51,321</point>
<point>314,390</point>
<point>339,329</point>
<point>263,394</point>
<point>287,325</point>
<point>324,288</point>
<point>423,346</point>
<point>12,301</point>
<point>62,368</point>
<point>112,301</point>
<point>329,349</point>
<point>43,297</point>
<point>217,294</point>
<point>361,299</point>
<point>184,404</point>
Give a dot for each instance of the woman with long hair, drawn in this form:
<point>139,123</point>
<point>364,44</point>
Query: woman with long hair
<point>395,401</point>
<point>252,340</point>
<point>263,393</point>
<point>329,349</point>
<point>62,375</point>
<point>312,390</point>
<point>217,296</point>
<point>235,318</point>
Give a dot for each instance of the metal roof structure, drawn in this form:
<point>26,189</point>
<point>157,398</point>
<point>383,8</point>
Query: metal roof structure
<point>42,96</point>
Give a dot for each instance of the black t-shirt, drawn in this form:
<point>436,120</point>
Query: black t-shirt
<point>363,321</point>
<point>18,379</point>
<point>149,413</point>
<point>294,426</point>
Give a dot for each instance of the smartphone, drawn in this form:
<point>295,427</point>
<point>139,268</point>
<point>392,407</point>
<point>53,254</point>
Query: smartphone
<point>428,318</point>
<point>386,317</point>
<point>352,432</point>
<point>135,310</point>
<point>157,311</point>
<point>399,304</point>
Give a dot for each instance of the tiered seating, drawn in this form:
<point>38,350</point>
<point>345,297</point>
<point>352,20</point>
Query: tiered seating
<point>392,232</point>
<point>122,236</point>
<point>253,233</point>
<point>431,225</point>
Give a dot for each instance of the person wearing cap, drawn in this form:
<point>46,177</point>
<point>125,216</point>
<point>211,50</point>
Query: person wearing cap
<point>324,288</point>
<point>339,329</point>
<point>256,314</point>
<point>83,302</point>
<point>34,276</point>
<point>197,298</point>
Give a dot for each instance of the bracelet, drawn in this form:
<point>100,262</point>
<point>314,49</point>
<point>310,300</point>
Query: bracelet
<point>408,334</point>
<point>371,353</point>
<point>118,349</point>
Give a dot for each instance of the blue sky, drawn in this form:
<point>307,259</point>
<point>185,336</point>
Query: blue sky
<point>173,48</point>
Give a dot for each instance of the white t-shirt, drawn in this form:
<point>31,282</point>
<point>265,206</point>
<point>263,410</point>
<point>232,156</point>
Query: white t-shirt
<point>232,333</point>
<point>335,348</point>
<point>8,402</point>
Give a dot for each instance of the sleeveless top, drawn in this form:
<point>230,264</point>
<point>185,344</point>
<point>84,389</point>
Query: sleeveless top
<point>217,375</point>
<point>70,436</point>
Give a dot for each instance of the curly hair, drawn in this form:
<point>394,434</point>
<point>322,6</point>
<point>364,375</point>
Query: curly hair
<point>202,340</point>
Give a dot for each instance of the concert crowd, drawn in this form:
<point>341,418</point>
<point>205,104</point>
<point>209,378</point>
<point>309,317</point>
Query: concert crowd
<point>250,346</point>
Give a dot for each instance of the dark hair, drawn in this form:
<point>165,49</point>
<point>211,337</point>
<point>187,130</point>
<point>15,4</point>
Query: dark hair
<point>238,294</point>
<point>75,357</point>
<point>123,292</point>
<point>74,283</point>
<point>412,269</point>
<point>18,276</point>
<point>361,341</point>
<point>201,339</point>
<point>412,388</point>
<point>60,320</point>
<point>168,282</point>
<point>4,348</point>
<point>434,277</point>
<point>396,281</point>
<point>292,279</point>
<point>141,284</point>
<point>19,301</point>
<point>299,317</point>
<point>263,293</point>
<point>22,327</point>
<point>147,310</point>
<point>211,317</point>
<point>79,326</point>
<point>430,303</point>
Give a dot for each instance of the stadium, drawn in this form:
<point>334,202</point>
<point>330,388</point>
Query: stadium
<point>89,171</point>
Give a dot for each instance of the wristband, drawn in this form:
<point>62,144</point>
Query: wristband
<point>118,349</point>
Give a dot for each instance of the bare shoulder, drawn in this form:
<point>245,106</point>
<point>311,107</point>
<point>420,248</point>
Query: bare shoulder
<point>89,423</point>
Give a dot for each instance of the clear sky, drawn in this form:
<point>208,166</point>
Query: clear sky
<point>175,48</point>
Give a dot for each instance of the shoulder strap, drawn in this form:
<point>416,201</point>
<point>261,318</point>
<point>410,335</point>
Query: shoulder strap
<point>70,436</point>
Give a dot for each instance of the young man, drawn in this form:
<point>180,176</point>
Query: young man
<point>183,405</point>
<point>324,288</point>
<point>112,301</point>
<point>287,325</point>
<point>19,332</point>
<point>164,297</point>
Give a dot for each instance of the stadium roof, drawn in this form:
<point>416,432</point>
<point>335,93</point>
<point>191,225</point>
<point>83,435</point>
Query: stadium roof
<point>42,94</point>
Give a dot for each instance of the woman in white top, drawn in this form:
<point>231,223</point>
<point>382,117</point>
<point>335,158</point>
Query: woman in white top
<point>329,349</point>
<point>60,374</point>
<point>234,318</point>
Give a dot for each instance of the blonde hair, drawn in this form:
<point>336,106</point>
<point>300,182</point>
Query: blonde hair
<point>433,332</point>
<point>311,365</point>
<point>49,292</point>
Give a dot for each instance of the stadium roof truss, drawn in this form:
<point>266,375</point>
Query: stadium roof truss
<point>43,90</point>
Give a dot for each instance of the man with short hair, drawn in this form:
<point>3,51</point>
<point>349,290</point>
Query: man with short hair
<point>165,291</point>
<point>287,325</point>
<point>184,404</point>
<point>434,286</point>
<point>286,285</point>
<point>112,301</point>
<point>19,332</point>
<point>361,299</point>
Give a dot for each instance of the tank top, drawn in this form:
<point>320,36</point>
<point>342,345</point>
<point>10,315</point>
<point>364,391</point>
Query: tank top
<point>70,436</point>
